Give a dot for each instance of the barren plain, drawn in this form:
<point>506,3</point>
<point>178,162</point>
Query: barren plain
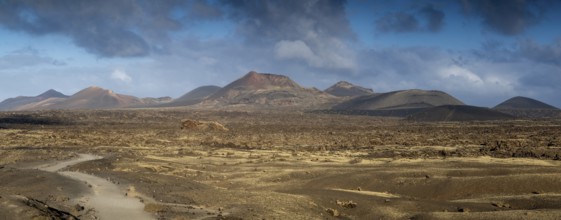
<point>278,165</point>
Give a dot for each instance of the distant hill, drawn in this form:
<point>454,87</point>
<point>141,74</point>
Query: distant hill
<point>520,102</point>
<point>459,113</point>
<point>267,90</point>
<point>346,89</point>
<point>20,103</point>
<point>403,99</point>
<point>51,93</point>
<point>254,81</point>
<point>524,107</point>
<point>194,96</point>
<point>96,98</point>
<point>273,91</point>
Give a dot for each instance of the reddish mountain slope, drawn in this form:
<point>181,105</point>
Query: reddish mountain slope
<point>96,98</point>
<point>20,103</point>
<point>267,90</point>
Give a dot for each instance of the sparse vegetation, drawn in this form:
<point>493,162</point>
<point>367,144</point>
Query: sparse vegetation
<point>272,160</point>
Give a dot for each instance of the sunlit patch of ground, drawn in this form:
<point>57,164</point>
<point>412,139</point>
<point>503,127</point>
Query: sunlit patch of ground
<point>292,165</point>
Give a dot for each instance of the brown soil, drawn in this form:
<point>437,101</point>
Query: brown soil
<point>279,165</point>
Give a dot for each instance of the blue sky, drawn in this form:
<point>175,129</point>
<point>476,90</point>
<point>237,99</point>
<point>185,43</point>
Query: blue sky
<point>480,51</point>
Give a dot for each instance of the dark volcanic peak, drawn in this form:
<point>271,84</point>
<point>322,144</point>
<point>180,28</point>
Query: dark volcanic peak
<point>520,102</point>
<point>51,93</point>
<point>256,80</point>
<point>267,90</point>
<point>414,98</point>
<point>344,88</point>
<point>253,82</point>
<point>459,113</point>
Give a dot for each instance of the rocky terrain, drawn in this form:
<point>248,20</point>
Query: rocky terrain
<point>459,113</point>
<point>264,147</point>
<point>281,165</point>
<point>156,101</point>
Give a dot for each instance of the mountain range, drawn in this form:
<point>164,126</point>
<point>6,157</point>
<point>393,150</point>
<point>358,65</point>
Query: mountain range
<point>272,91</point>
<point>24,102</point>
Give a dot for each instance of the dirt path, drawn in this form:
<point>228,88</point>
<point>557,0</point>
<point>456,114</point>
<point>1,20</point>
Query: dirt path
<point>109,201</point>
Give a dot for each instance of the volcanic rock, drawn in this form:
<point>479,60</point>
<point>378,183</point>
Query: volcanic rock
<point>459,113</point>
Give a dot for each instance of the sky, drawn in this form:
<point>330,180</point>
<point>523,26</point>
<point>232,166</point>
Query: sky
<point>480,51</point>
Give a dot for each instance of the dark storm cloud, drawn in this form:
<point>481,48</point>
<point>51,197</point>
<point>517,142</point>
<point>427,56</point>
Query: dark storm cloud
<point>497,52</point>
<point>527,49</point>
<point>289,19</point>
<point>202,9</point>
<point>508,17</point>
<point>544,79</point>
<point>107,28</point>
<point>550,54</point>
<point>301,31</point>
<point>398,22</point>
<point>427,18</point>
<point>435,18</point>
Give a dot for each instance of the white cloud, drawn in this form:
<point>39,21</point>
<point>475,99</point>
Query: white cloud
<point>475,81</point>
<point>296,50</point>
<point>460,74</point>
<point>319,53</point>
<point>28,57</point>
<point>209,61</point>
<point>121,75</point>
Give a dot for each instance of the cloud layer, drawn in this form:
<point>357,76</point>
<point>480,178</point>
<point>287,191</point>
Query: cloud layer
<point>173,46</point>
<point>426,18</point>
<point>107,28</point>
<point>507,17</point>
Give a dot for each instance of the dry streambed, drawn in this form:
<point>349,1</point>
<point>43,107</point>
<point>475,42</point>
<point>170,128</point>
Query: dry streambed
<point>293,166</point>
<point>106,198</point>
<point>339,184</point>
<point>255,184</point>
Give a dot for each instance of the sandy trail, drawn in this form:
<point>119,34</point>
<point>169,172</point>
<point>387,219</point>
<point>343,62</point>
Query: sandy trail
<point>59,165</point>
<point>107,199</point>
